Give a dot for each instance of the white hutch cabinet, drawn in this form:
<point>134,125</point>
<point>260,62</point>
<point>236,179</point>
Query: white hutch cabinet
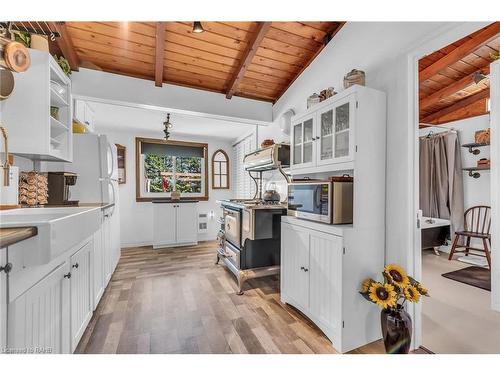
<point>322,266</point>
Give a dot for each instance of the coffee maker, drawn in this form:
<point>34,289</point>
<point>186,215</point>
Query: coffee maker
<point>59,188</point>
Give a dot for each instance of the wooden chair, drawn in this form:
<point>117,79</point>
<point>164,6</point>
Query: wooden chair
<point>477,223</point>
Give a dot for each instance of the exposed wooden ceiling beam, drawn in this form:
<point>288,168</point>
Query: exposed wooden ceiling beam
<point>458,105</point>
<point>485,36</point>
<point>455,87</point>
<point>248,55</point>
<point>159,53</point>
<point>333,31</point>
<point>66,45</point>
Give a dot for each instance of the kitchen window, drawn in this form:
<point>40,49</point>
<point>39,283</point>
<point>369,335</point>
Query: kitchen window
<point>163,167</point>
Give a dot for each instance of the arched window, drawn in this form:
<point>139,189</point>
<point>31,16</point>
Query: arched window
<point>220,170</point>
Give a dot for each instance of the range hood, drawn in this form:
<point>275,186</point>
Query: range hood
<point>276,156</point>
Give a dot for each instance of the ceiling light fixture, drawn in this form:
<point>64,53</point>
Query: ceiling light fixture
<point>168,125</point>
<point>479,77</point>
<point>197,27</point>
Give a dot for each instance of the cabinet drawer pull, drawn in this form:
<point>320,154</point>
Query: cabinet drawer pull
<point>76,265</point>
<point>7,268</point>
<point>302,268</point>
<point>306,269</point>
<point>67,275</point>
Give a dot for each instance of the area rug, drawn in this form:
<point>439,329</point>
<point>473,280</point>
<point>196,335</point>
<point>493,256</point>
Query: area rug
<point>475,276</point>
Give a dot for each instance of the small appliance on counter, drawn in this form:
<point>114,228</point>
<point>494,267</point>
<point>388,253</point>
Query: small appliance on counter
<point>329,202</point>
<point>59,188</point>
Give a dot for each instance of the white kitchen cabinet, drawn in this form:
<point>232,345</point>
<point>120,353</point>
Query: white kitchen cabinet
<point>325,138</point>
<point>97,259</point>
<point>81,292</point>
<point>303,135</point>
<point>3,299</point>
<point>322,267</point>
<point>175,224</point>
<point>83,114</point>
<point>39,319</point>
<point>294,278</point>
<point>33,132</point>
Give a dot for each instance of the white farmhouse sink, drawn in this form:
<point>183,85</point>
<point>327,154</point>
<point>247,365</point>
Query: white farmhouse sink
<point>59,229</point>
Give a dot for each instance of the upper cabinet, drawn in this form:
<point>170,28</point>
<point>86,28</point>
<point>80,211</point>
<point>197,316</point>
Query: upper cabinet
<point>38,114</point>
<point>83,114</point>
<point>324,137</point>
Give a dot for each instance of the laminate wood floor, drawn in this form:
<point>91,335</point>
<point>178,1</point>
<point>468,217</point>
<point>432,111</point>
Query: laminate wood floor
<point>178,301</point>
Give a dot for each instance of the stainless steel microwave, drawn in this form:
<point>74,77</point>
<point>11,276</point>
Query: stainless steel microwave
<point>329,202</point>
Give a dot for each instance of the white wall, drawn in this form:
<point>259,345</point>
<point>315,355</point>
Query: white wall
<point>476,190</point>
<point>119,89</point>
<point>136,218</point>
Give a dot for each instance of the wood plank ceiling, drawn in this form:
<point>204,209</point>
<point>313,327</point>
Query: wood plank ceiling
<point>257,60</point>
<point>448,91</point>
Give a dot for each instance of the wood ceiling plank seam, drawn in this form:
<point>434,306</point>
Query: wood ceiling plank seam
<point>200,38</point>
<point>332,36</point>
<point>124,45</point>
<point>201,45</point>
<point>208,27</point>
<point>247,26</point>
<point>280,56</point>
<point>124,73</point>
<point>319,25</point>
<point>316,35</point>
<point>192,86</point>
<point>119,65</point>
<point>272,72</point>
<point>481,38</point>
<point>254,97</point>
<point>196,68</point>
<point>247,57</point>
<point>175,47</point>
<point>249,89</point>
<point>105,65</point>
<point>475,109</point>
<point>260,55</point>
<point>292,39</point>
<point>197,76</point>
<point>151,40</point>
<point>274,64</point>
<point>177,57</point>
<point>159,53</point>
<point>265,77</point>
<point>139,58</point>
<point>261,83</point>
<point>132,27</point>
<point>118,59</point>
<point>460,104</point>
<point>66,45</point>
<point>285,48</point>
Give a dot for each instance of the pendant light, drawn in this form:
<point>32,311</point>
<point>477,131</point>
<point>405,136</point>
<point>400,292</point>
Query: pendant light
<point>197,27</point>
<point>168,125</point>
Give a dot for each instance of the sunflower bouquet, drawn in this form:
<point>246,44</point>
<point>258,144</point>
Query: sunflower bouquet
<point>395,290</point>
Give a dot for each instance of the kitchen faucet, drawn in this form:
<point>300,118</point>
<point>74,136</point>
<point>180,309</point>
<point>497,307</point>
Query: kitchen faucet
<point>5,165</point>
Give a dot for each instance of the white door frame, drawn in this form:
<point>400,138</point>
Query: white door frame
<point>443,37</point>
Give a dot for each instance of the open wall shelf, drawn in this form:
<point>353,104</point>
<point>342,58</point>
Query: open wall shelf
<point>474,147</point>
<point>474,171</point>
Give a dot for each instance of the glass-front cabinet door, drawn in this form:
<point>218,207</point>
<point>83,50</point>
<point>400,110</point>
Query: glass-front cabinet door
<point>335,142</point>
<point>303,138</point>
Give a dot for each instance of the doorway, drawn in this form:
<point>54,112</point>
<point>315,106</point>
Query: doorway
<point>453,178</point>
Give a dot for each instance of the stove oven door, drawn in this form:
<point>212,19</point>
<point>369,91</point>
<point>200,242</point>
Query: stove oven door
<point>232,228</point>
<point>232,254</point>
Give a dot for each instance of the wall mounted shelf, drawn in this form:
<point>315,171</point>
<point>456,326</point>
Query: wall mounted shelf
<point>474,171</point>
<point>474,147</point>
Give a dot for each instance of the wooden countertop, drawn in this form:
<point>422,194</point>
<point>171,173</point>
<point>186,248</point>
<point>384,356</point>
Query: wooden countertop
<point>10,236</point>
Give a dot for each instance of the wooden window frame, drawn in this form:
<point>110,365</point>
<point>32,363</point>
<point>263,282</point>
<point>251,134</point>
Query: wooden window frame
<point>139,140</point>
<point>228,170</point>
<point>120,147</point>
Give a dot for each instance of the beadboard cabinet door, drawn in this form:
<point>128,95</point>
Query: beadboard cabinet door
<point>81,292</point>
<point>187,223</point>
<point>295,265</point>
<point>325,280</point>
<point>39,318</point>
<point>97,257</point>
<point>3,299</point>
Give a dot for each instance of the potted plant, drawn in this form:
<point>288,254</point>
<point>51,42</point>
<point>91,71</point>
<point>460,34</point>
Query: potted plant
<point>391,295</point>
<point>64,64</point>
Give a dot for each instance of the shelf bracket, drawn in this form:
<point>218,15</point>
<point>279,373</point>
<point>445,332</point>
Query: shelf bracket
<point>474,151</point>
<point>474,174</point>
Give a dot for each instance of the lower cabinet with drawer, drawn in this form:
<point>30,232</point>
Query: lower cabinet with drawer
<point>50,306</point>
<point>321,276</point>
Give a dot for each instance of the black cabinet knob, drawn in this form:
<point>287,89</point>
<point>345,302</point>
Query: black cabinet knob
<point>67,275</point>
<point>7,268</point>
<point>76,265</point>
